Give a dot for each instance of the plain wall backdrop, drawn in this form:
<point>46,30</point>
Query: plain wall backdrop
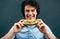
<point>10,13</point>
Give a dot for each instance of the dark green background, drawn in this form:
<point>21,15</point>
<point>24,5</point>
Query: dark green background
<point>10,13</point>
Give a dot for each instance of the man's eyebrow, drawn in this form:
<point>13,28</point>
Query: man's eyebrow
<point>27,10</point>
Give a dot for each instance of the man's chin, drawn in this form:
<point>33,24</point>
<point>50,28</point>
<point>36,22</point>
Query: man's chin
<point>31,18</point>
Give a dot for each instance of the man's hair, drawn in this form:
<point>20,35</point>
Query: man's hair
<point>32,3</point>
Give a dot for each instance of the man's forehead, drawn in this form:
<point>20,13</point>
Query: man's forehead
<point>29,7</point>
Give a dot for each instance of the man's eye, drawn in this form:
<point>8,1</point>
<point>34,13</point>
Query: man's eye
<point>27,10</point>
<point>32,10</point>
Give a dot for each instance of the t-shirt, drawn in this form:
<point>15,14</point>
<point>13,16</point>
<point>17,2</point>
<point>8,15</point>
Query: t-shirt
<point>30,32</point>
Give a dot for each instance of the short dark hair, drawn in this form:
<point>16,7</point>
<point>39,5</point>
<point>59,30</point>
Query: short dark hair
<point>32,3</point>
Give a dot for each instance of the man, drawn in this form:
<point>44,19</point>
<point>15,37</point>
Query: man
<point>30,9</point>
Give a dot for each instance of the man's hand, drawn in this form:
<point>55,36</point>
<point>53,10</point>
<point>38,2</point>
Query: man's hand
<point>42,26</point>
<point>44,29</point>
<point>17,27</point>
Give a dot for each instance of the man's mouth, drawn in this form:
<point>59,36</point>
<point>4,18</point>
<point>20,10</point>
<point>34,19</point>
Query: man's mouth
<point>30,16</point>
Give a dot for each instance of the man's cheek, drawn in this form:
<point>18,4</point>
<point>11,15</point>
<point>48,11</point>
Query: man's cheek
<point>27,15</point>
<point>33,15</point>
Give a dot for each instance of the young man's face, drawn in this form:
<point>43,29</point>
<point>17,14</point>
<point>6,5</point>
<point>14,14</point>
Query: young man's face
<point>30,12</point>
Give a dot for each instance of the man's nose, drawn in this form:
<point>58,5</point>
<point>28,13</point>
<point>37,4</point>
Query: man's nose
<point>30,13</point>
